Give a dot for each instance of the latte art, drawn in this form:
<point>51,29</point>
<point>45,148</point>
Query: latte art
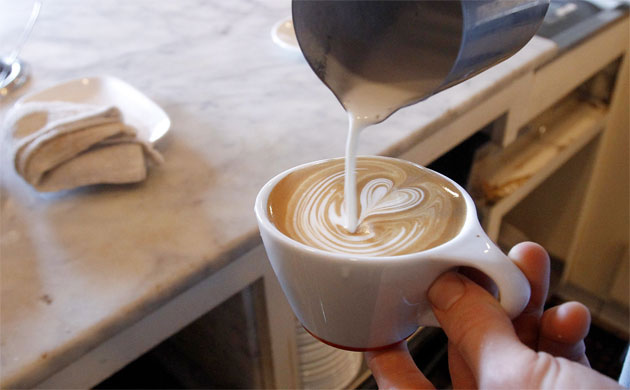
<point>402,208</point>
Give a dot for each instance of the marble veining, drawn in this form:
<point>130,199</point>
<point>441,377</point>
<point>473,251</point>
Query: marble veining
<point>78,266</point>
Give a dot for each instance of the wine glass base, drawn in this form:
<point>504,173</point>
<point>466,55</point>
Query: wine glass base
<point>12,75</point>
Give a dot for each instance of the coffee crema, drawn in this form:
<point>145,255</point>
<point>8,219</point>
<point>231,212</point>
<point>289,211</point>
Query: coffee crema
<point>403,208</point>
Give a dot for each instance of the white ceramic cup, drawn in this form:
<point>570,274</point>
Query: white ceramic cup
<point>365,303</point>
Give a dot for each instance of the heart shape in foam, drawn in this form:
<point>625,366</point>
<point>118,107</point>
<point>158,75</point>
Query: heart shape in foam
<point>379,197</point>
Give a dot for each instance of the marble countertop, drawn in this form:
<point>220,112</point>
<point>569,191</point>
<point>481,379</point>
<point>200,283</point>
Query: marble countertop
<point>78,267</point>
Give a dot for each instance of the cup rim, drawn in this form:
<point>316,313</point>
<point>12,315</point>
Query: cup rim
<point>260,208</point>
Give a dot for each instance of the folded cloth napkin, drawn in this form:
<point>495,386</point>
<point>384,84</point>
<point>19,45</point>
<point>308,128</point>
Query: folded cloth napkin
<point>62,145</point>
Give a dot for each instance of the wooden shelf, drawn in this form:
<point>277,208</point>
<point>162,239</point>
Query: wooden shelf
<point>501,178</point>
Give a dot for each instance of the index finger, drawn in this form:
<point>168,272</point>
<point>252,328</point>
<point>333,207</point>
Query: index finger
<point>393,368</point>
<point>533,261</point>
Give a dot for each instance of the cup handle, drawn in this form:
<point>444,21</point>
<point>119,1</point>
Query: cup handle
<point>514,288</point>
<point>481,253</point>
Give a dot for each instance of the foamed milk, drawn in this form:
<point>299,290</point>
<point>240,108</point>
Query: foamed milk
<point>403,208</point>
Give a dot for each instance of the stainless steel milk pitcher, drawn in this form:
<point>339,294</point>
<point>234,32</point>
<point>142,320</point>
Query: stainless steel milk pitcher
<point>424,46</point>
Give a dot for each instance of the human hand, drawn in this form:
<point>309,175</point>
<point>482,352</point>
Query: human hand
<point>486,350</point>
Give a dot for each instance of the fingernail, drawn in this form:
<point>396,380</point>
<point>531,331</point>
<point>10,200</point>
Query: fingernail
<point>446,290</point>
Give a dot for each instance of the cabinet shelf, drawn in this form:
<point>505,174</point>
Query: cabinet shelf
<point>501,178</point>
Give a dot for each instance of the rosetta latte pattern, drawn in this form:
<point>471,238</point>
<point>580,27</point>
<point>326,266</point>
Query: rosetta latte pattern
<point>399,212</point>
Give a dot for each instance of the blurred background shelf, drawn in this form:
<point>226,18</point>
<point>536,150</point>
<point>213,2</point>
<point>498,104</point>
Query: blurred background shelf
<point>563,182</point>
<point>504,177</point>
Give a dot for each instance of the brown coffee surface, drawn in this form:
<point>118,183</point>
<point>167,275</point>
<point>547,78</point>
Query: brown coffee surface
<point>403,208</point>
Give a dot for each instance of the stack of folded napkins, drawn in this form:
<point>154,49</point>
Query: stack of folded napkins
<point>61,145</point>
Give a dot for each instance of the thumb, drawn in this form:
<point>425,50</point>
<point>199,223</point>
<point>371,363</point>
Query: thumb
<point>478,327</point>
